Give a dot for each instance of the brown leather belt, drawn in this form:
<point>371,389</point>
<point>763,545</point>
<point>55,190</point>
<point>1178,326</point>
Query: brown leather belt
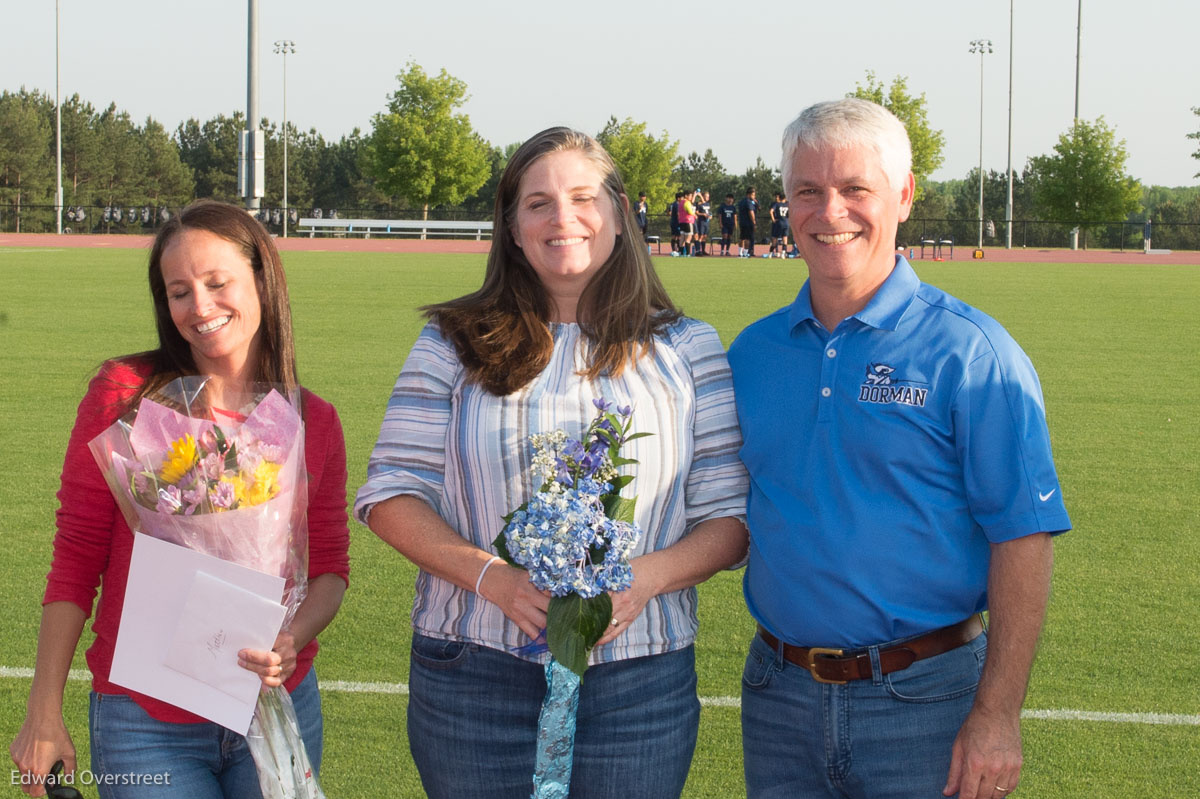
<point>839,667</point>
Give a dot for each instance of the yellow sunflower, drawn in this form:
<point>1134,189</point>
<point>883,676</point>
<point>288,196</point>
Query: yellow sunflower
<point>181,457</point>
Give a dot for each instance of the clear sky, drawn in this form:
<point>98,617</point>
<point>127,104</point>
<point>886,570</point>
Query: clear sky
<point>724,75</point>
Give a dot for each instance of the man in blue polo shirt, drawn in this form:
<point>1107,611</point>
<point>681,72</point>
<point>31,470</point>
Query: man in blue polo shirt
<point>901,483</point>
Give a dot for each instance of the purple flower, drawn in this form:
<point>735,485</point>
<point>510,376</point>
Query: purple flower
<point>211,466</point>
<point>590,463</point>
<point>192,478</point>
<point>222,495</point>
<point>602,404</point>
<point>625,410</point>
<point>605,434</point>
<point>192,498</point>
<point>572,450</point>
<point>169,500</point>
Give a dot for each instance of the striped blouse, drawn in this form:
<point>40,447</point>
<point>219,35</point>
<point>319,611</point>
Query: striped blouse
<point>466,452</point>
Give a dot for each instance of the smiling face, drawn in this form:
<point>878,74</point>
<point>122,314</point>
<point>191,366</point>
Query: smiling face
<point>844,214</point>
<point>213,297</point>
<point>566,224</point>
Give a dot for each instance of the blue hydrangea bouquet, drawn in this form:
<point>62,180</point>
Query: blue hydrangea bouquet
<point>574,536</point>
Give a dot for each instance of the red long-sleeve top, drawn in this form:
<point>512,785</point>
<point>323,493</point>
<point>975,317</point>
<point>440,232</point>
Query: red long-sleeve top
<point>94,544</point>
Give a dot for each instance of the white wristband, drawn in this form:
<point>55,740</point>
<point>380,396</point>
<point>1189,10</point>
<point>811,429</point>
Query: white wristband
<point>483,571</point>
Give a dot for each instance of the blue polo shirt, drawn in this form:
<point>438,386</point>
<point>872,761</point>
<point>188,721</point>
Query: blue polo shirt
<point>884,457</point>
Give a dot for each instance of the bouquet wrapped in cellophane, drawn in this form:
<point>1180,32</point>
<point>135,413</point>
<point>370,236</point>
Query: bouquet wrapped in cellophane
<point>222,472</point>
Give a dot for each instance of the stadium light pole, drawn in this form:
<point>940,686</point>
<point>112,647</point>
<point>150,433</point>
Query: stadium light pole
<point>1078,47</point>
<point>283,47</point>
<point>1075,123</point>
<point>251,144</point>
<point>58,191</point>
<point>1008,204</point>
<point>983,47</point>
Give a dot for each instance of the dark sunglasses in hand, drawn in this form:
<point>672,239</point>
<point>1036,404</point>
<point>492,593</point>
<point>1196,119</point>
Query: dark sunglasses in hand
<point>56,791</point>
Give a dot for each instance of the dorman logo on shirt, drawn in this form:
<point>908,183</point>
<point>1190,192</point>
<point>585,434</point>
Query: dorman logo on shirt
<point>879,374</point>
<point>883,387</point>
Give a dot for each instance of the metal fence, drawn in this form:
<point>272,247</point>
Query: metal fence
<point>963,232</point>
<point>1045,235</point>
<point>146,219</point>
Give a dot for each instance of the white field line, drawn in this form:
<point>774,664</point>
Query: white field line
<point>1127,718</point>
<point>346,687</point>
<point>342,686</point>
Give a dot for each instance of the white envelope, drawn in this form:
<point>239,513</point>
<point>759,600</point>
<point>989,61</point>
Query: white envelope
<point>156,616</point>
<point>219,620</point>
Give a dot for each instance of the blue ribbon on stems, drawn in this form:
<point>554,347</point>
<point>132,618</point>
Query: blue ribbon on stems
<point>556,733</point>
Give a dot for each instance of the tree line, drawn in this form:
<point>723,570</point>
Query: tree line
<point>421,154</point>
<point>108,159</point>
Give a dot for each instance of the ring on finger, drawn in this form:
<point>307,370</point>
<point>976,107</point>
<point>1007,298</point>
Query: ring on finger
<point>615,623</point>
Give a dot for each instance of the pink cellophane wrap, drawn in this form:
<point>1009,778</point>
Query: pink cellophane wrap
<point>271,537</point>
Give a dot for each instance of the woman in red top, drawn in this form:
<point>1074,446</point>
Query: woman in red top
<point>221,308</point>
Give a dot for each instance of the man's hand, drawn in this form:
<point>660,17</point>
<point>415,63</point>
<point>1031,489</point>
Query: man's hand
<point>985,762</point>
<point>986,759</point>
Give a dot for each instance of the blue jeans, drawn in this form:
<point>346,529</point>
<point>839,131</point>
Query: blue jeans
<point>473,714</point>
<point>203,761</point>
<point>889,736</point>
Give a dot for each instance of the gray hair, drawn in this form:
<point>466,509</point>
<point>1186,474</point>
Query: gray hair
<point>850,122</point>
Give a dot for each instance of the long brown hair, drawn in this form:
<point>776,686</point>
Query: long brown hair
<point>501,331</point>
<point>173,357</point>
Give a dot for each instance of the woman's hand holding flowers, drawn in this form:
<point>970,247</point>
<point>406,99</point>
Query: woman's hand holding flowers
<point>509,588</point>
<point>627,605</point>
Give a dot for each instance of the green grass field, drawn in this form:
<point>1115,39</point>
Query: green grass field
<point>1116,350</point>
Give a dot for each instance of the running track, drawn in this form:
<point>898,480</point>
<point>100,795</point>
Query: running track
<point>305,244</point>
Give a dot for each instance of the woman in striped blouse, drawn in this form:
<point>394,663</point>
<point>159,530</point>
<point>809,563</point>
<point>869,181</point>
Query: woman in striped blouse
<point>570,310</point>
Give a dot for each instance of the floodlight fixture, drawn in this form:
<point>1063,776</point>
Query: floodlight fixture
<point>285,47</point>
<point>1008,203</point>
<point>983,47</point>
<point>58,163</point>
